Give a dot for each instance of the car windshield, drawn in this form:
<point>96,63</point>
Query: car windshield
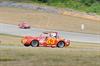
<point>46,35</point>
<point>43,36</point>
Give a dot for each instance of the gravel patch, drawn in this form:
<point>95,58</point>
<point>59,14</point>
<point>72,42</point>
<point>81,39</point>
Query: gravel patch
<point>30,6</point>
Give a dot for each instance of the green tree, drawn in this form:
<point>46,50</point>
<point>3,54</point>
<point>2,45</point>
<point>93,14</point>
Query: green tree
<point>43,1</point>
<point>88,2</point>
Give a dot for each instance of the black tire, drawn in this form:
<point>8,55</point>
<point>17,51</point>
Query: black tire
<point>35,43</point>
<point>26,45</point>
<point>60,44</point>
<point>26,27</point>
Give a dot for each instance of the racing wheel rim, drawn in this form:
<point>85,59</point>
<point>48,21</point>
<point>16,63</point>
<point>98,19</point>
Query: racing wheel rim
<point>34,43</point>
<point>60,44</point>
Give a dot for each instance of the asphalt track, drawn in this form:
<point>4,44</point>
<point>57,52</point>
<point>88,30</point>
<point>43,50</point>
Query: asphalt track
<point>79,37</point>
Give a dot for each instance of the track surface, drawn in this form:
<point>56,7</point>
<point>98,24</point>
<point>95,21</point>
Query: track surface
<point>79,37</point>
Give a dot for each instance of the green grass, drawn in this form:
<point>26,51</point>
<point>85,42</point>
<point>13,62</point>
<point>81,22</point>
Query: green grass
<point>4,59</point>
<point>95,8</point>
<point>76,5</point>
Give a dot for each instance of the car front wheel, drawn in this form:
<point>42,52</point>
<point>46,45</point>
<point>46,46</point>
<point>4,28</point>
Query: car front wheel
<point>60,44</point>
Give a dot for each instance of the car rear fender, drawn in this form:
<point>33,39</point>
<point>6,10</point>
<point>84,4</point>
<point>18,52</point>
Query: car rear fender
<point>29,39</point>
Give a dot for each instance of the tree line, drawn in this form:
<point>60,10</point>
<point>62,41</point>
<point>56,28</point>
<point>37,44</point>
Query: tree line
<point>81,5</point>
<point>85,2</point>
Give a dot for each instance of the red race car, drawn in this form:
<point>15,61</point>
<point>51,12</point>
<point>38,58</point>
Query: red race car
<point>24,25</point>
<point>46,39</point>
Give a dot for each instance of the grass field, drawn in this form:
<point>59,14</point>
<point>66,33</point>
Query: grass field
<point>47,20</point>
<point>10,40</point>
<point>12,53</point>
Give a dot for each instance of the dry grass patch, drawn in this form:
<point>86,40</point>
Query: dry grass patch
<point>50,57</point>
<point>47,20</point>
<point>10,40</point>
<point>84,45</point>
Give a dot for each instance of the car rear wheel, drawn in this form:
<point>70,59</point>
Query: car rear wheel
<point>35,43</point>
<point>26,45</point>
<point>60,44</point>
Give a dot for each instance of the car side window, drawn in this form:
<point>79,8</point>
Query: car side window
<point>53,35</point>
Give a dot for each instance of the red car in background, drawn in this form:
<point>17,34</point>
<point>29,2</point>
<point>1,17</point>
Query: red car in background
<point>24,25</point>
<point>46,39</point>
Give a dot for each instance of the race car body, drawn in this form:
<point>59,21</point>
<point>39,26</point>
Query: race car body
<point>24,25</point>
<point>46,39</point>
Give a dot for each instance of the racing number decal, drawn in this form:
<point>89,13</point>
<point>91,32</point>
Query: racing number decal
<point>51,41</point>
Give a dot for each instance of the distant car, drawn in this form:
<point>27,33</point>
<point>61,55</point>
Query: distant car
<point>46,39</point>
<point>24,25</point>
